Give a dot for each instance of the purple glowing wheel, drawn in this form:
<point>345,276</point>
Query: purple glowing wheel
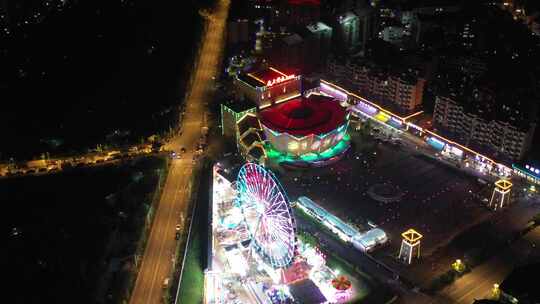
<point>267,214</point>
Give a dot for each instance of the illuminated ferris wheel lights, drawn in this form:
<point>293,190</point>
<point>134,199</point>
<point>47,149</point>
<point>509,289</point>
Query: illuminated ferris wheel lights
<point>267,215</point>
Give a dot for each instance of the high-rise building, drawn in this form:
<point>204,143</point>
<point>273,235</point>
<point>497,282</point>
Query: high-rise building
<point>367,23</point>
<point>347,31</point>
<point>318,41</point>
<point>401,89</point>
<point>289,51</point>
<point>406,90</point>
<point>501,127</point>
<point>259,37</point>
<point>392,34</point>
<point>299,13</point>
<point>238,31</point>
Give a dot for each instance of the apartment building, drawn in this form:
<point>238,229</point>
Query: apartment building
<point>403,89</point>
<point>497,127</point>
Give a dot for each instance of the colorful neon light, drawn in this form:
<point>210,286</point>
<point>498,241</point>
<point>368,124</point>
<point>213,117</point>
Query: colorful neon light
<point>267,215</point>
<point>437,141</point>
<point>277,71</point>
<point>287,98</point>
<point>364,107</point>
<point>337,149</point>
<point>330,90</point>
<point>399,122</point>
<point>410,124</point>
<point>255,77</point>
<point>533,169</point>
<point>525,172</point>
<point>280,79</point>
<point>412,115</point>
<point>336,87</point>
<point>467,149</point>
<point>382,117</point>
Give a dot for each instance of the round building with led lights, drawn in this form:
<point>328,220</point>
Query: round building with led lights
<point>309,129</point>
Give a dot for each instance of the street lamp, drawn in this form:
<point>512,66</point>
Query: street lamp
<point>458,266</point>
<point>495,292</point>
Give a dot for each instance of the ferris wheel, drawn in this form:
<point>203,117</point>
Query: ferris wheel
<point>267,215</point>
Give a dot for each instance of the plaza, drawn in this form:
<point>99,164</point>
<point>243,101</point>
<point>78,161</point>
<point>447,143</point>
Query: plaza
<point>433,196</point>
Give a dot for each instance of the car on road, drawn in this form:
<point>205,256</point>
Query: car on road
<point>183,150</point>
<point>177,227</point>
<point>165,283</point>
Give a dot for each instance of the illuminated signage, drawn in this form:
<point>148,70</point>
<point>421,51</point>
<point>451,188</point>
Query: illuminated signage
<point>414,126</point>
<point>437,141</point>
<point>454,150</point>
<point>533,169</point>
<point>360,106</point>
<point>396,120</point>
<point>332,91</point>
<point>279,79</point>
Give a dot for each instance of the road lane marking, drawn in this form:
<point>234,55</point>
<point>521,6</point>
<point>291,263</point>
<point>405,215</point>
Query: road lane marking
<point>147,257</point>
<point>207,61</point>
<point>166,240</point>
<point>163,239</point>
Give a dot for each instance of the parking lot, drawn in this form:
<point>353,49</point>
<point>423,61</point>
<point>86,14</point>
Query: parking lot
<point>437,200</point>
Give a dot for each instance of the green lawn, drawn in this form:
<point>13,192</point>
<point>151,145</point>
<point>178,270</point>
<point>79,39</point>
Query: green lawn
<point>193,278</point>
<point>192,285</point>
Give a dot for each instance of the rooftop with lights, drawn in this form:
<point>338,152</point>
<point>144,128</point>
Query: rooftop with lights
<point>266,77</point>
<point>302,116</point>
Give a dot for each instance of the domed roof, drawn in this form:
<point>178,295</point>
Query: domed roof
<point>302,116</point>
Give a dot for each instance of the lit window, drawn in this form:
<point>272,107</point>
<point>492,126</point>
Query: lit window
<point>293,145</point>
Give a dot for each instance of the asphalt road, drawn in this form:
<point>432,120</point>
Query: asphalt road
<point>157,261</point>
<point>479,282</point>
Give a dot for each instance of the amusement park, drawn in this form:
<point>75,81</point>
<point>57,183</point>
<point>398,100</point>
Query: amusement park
<point>366,191</point>
<point>258,255</point>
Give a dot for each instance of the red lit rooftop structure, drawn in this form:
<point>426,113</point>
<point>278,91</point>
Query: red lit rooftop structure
<point>305,116</point>
<point>305,125</point>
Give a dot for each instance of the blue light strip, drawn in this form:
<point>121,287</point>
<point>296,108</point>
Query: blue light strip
<point>526,172</point>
